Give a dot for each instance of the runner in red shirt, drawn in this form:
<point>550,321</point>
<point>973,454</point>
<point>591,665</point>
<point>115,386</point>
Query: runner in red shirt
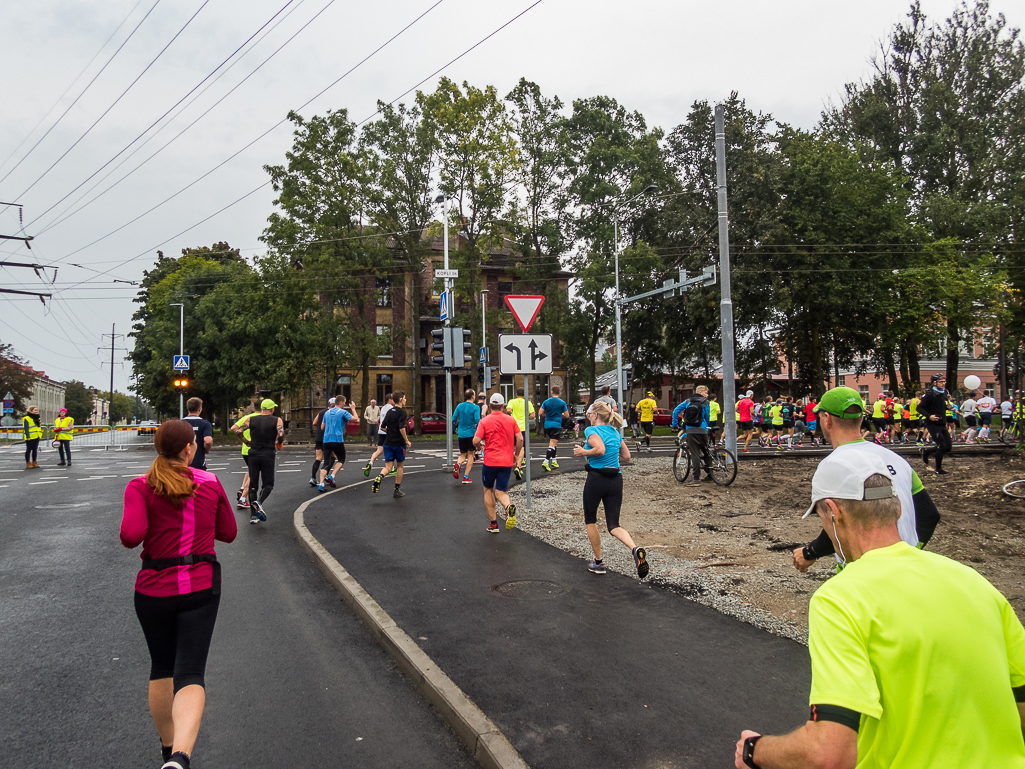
<point>745,407</point>
<point>500,434</point>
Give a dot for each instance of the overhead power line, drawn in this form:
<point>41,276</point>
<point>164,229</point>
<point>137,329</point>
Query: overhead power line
<point>66,111</point>
<point>123,93</point>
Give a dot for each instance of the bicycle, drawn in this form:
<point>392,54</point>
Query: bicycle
<point>1015,489</point>
<point>723,469</point>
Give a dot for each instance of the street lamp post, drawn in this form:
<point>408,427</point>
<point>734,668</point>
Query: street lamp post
<point>619,326</point>
<point>181,351</point>
<point>448,322</point>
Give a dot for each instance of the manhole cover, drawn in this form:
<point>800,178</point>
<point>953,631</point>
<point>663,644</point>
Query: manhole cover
<point>62,507</point>
<point>529,589</point>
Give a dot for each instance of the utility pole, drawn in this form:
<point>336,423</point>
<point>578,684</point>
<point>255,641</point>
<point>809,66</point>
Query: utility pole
<point>110,404</point>
<point>729,383</point>
<point>181,351</point>
<point>447,322</point>
<point>38,268</point>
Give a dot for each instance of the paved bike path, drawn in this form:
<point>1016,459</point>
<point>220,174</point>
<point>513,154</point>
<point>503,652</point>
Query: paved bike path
<point>576,669</point>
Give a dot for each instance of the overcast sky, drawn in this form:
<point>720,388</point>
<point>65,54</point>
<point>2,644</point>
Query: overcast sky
<point>655,56</point>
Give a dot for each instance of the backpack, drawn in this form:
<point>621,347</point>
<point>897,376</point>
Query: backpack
<point>692,415</point>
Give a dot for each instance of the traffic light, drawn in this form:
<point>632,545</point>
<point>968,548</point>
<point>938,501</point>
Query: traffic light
<point>440,345</point>
<point>464,334</point>
<point>628,379</point>
<point>480,374</point>
<point>489,378</point>
<point>181,385</point>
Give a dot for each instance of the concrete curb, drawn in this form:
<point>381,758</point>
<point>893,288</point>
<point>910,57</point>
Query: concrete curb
<point>488,745</point>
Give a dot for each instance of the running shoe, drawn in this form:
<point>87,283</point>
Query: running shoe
<point>640,562</point>
<point>546,466</point>
<point>393,471</point>
<point>455,470</point>
<point>467,479</point>
<point>321,489</point>
<point>331,481</point>
<point>377,483</point>
<point>176,761</point>
<point>596,567</point>
<point>242,504</point>
<point>745,451</point>
<point>519,473</point>
<point>941,471</point>
<point>313,482</point>
<point>366,470</point>
<point>254,518</point>
<point>493,527</point>
<point>258,511</point>
<point>398,493</point>
<point>555,464</point>
<point>510,517</point>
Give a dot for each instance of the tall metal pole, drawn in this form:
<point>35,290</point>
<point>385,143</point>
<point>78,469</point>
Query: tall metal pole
<point>484,329</point>
<point>110,406</point>
<point>448,366</point>
<point>729,384</point>
<point>181,351</point>
<point>619,329</point>
<point>526,433</point>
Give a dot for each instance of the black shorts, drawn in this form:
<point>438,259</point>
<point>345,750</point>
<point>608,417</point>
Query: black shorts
<point>607,492</point>
<point>879,423</point>
<point>335,449</point>
<point>951,421</point>
<point>970,420</point>
<point>319,445</point>
<point>745,426</point>
<point>466,445</point>
<point>648,427</point>
<point>788,424</point>
<point>889,420</point>
<point>178,629</point>
<point>985,417</point>
<point>1006,421</point>
<point>553,433</point>
<point>245,458</point>
<point>906,424</point>
<point>381,437</point>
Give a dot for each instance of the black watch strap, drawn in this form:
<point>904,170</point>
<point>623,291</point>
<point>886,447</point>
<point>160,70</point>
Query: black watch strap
<point>749,751</point>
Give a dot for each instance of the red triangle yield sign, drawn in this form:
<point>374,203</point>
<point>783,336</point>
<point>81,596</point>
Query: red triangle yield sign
<point>524,308</point>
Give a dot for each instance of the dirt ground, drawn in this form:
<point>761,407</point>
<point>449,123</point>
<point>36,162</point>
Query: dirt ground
<point>731,547</point>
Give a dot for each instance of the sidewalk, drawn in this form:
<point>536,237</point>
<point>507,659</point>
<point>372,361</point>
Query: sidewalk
<point>577,670</point>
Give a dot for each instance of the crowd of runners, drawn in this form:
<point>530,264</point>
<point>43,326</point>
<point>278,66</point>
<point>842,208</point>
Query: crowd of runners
<point>917,661</point>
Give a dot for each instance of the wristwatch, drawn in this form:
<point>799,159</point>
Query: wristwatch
<point>749,751</point>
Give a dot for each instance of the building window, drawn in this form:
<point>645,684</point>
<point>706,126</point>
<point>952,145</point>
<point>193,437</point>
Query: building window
<point>504,289</point>
<point>863,392</point>
<point>505,386</point>
<point>344,387</point>
<point>383,292</point>
<point>841,381</point>
<point>384,342</point>
<point>384,384</point>
<point>990,389</point>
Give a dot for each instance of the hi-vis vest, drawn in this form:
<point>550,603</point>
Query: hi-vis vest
<point>32,430</point>
<point>64,428</point>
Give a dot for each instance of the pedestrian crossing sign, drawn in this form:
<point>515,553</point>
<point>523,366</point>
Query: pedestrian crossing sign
<point>180,362</point>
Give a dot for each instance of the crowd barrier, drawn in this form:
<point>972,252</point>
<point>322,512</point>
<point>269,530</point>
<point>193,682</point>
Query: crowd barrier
<point>90,435</point>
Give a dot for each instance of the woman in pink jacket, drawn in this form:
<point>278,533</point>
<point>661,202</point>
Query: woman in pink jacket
<point>176,512</point>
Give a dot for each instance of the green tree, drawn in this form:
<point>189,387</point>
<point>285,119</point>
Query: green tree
<point>16,378</point>
<point>78,400</point>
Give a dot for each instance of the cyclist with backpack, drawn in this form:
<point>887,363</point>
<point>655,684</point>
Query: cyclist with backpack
<point>695,414</point>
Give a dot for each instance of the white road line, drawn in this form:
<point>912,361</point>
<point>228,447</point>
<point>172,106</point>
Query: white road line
<point>289,471</point>
<point>240,472</point>
<point>40,483</point>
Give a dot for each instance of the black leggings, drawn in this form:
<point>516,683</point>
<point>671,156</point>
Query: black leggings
<point>178,629</point>
<point>31,450</point>
<point>64,448</point>
<point>261,467</point>
<point>941,438</point>
<point>607,491</point>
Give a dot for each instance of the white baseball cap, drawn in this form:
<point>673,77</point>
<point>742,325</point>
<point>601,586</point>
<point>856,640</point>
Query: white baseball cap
<point>330,401</point>
<point>497,400</point>
<point>842,475</point>
<point>749,393</point>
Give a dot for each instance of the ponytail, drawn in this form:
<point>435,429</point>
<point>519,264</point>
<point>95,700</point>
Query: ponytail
<point>607,415</point>
<point>168,476</point>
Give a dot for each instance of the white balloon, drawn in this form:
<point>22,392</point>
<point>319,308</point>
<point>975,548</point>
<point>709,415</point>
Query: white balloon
<point>972,382</point>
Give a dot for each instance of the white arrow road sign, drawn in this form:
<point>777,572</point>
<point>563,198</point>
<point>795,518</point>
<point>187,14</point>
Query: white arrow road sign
<point>525,353</point>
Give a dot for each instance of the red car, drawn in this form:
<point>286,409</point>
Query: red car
<point>431,422</point>
<point>663,417</point>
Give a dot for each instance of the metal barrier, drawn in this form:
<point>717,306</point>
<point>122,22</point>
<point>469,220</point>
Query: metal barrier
<point>90,436</point>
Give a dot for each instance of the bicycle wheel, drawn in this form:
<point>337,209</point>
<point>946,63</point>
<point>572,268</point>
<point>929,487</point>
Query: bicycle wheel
<point>1015,489</point>
<point>681,464</point>
<point>724,467</point>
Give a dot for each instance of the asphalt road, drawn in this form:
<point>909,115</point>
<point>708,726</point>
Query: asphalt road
<point>293,678</point>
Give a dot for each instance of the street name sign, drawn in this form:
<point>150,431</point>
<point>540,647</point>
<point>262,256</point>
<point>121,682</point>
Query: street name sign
<point>450,274</point>
<point>525,353</point>
<point>524,308</point>
<point>180,362</point>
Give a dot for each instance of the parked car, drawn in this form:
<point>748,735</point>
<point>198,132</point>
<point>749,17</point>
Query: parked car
<point>431,422</point>
<point>149,427</point>
<point>663,417</point>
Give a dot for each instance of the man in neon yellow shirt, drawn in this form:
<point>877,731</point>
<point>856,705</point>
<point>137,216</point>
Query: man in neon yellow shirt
<point>518,408</point>
<point>241,428</point>
<point>917,661</point>
<point>646,408</point>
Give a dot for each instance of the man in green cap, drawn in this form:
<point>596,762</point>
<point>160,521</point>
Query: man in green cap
<point>265,429</point>
<point>840,413</point>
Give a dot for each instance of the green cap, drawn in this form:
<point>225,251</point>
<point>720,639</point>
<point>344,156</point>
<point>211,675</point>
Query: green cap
<point>838,400</point>
<point>267,404</point>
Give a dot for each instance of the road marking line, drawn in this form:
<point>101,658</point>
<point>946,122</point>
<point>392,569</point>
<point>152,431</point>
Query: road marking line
<point>240,472</point>
<point>289,471</point>
<point>40,483</point>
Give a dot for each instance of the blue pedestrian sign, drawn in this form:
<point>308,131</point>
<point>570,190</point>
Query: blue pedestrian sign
<point>444,305</point>
<point>181,362</point>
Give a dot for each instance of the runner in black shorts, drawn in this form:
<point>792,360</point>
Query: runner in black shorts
<point>552,412</point>
<point>318,441</point>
